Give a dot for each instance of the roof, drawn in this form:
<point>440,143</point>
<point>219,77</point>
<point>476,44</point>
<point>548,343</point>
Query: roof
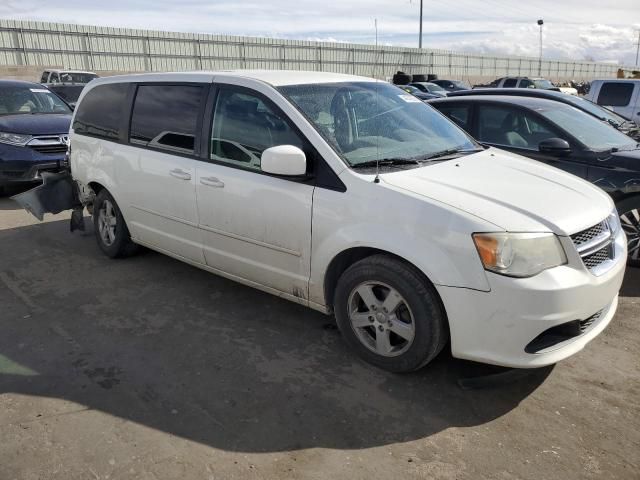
<point>19,83</point>
<point>59,70</point>
<point>531,102</point>
<point>275,78</point>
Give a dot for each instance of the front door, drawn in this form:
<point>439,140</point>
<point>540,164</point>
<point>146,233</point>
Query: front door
<point>254,226</point>
<point>160,174</point>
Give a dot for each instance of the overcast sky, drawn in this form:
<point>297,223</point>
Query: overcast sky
<point>585,29</point>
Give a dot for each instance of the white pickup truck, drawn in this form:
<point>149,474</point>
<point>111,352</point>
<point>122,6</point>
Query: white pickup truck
<point>620,95</point>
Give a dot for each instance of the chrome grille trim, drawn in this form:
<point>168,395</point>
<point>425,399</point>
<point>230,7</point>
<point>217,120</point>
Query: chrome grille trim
<point>595,247</point>
<point>49,144</point>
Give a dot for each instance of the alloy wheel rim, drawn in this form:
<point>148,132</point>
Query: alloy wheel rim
<point>381,318</point>
<point>107,223</point>
<point>630,222</point>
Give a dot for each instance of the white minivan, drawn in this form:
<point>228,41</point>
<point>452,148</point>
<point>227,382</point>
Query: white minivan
<point>352,197</point>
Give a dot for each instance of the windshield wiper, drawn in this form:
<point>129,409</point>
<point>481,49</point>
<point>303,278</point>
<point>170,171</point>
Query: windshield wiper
<point>447,153</point>
<point>386,162</point>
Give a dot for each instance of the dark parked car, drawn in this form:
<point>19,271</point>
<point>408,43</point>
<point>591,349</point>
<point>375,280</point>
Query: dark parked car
<point>69,93</point>
<point>452,85</point>
<point>34,132</point>
<point>562,136</point>
<point>418,93</point>
<point>620,123</point>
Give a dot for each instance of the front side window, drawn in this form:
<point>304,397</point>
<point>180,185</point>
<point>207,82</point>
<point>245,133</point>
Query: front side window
<point>513,127</point>
<point>244,126</point>
<point>615,94</point>
<point>45,77</point>
<point>590,131</point>
<point>54,78</point>
<point>166,117</point>
<point>101,113</point>
<point>510,82</point>
<point>525,83</point>
<point>544,84</point>
<point>15,100</point>
<point>371,121</point>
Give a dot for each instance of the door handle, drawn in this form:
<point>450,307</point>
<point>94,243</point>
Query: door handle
<point>181,174</point>
<point>211,182</point>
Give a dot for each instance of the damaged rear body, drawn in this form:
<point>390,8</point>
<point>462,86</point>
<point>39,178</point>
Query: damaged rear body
<point>58,192</point>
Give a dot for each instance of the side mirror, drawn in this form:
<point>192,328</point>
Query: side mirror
<point>284,160</point>
<point>554,146</point>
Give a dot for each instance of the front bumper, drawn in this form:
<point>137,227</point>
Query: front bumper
<point>497,326</point>
<point>22,164</point>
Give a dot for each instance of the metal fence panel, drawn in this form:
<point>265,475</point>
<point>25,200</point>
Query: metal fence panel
<point>44,44</point>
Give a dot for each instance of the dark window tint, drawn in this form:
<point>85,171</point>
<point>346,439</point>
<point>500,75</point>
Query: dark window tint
<point>458,113</point>
<point>244,126</point>
<point>101,112</point>
<point>510,82</point>
<point>525,83</point>
<point>45,77</point>
<point>166,116</point>
<point>514,127</point>
<point>614,94</point>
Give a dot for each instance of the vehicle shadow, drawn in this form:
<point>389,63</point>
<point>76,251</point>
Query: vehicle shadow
<point>631,284</point>
<point>158,342</point>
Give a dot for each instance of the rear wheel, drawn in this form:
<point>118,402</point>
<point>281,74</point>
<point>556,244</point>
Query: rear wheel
<point>629,210</point>
<point>110,228</point>
<point>390,314</point>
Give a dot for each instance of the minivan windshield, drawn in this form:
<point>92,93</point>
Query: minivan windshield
<point>375,121</point>
<point>15,100</point>
<point>590,131</point>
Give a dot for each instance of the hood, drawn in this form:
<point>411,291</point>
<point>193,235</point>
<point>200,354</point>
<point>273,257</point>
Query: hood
<point>36,124</point>
<point>510,191</point>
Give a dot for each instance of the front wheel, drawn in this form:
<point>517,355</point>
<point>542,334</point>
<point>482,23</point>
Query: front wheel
<point>390,314</point>
<point>629,210</point>
<point>110,228</point>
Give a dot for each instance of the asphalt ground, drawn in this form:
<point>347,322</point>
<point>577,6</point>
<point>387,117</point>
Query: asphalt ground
<point>148,368</point>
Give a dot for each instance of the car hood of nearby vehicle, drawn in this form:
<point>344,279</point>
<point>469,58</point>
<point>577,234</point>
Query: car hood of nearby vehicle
<point>626,159</point>
<point>36,124</point>
<point>509,191</point>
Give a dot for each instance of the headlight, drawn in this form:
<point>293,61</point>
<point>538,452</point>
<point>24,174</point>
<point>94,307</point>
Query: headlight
<point>614,222</point>
<point>14,138</point>
<point>519,254</point>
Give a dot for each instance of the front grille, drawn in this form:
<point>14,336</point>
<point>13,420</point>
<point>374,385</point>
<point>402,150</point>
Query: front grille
<point>561,333</point>
<point>589,234</point>
<point>595,246</point>
<point>597,258</point>
<point>49,144</point>
<point>586,323</point>
<point>50,149</point>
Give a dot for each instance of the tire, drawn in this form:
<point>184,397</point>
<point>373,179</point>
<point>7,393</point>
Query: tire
<point>401,79</point>
<point>116,243</point>
<point>420,77</point>
<point>419,316</point>
<point>629,210</point>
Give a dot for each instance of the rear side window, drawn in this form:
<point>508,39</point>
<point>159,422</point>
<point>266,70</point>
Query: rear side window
<point>45,77</point>
<point>166,117</point>
<point>615,94</point>
<point>100,113</point>
<point>510,82</point>
<point>458,113</point>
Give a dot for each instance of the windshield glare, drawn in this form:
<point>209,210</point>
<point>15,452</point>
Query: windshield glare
<point>23,100</point>
<point>369,121</point>
<point>590,131</point>
<point>435,87</point>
